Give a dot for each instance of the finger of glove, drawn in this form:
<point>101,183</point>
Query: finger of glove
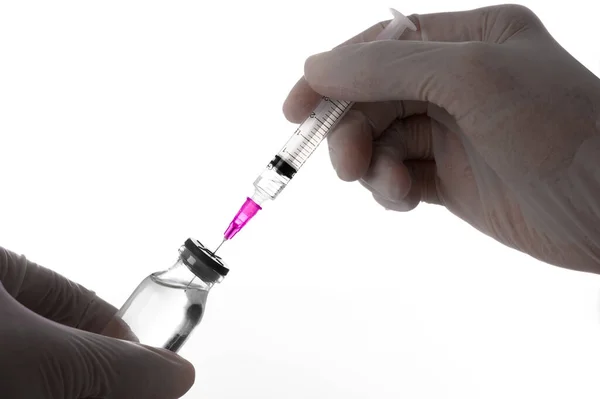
<point>494,24</point>
<point>51,295</point>
<point>121,369</point>
<point>411,137</point>
<point>350,144</point>
<point>392,70</point>
<point>40,358</point>
<point>118,328</point>
<point>302,99</point>
<point>407,139</point>
<point>387,176</point>
<point>381,114</point>
<point>423,188</point>
<point>300,102</point>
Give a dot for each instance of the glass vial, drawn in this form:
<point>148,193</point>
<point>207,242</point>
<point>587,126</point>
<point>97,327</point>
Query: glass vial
<point>167,305</point>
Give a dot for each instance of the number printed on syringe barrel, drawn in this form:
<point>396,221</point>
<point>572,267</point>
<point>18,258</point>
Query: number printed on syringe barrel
<point>309,135</point>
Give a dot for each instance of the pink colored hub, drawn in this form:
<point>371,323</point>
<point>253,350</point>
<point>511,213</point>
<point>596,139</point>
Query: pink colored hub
<point>246,212</point>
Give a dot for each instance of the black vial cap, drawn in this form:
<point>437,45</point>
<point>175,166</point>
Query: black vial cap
<point>207,263</point>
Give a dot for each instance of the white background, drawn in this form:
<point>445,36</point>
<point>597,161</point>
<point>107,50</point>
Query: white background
<point>127,127</point>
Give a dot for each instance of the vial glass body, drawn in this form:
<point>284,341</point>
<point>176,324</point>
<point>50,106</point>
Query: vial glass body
<point>166,307</point>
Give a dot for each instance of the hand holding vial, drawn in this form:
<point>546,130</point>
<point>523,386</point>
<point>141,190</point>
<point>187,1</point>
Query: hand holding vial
<point>51,345</point>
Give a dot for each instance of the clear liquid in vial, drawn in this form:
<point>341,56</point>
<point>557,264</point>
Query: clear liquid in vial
<point>164,313</point>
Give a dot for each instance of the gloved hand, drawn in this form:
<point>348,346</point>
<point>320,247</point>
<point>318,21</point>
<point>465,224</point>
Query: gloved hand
<point>480,111</point>
<point>49,347</point>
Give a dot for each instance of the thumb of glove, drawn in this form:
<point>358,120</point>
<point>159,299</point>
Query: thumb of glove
<point>43,359</point>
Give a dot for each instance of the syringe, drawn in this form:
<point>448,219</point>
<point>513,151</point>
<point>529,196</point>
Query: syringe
<point>303,142</point>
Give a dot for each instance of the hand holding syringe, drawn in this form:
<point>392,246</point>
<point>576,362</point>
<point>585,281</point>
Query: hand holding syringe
<point>303,143</point>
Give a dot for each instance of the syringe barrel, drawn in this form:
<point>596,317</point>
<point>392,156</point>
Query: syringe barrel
<point>312,132</point>
<point>299,148</point>
<point>325,116</point>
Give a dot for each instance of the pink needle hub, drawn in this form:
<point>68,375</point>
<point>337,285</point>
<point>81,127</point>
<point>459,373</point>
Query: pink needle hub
<point>246,212</point>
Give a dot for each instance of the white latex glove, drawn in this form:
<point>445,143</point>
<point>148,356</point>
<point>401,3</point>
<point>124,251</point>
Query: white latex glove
<point>480,111</point>
<point>49,347</point>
